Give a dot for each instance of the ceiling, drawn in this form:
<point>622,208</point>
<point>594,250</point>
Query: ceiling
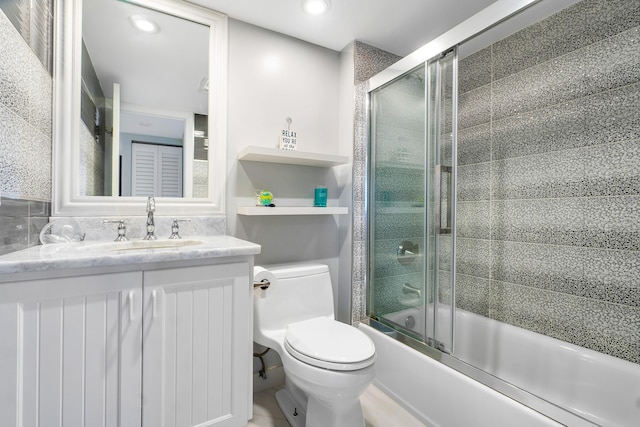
<point>396,26</point>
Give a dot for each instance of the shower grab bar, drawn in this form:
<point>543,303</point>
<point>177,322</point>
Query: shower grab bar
<point>439,171</point>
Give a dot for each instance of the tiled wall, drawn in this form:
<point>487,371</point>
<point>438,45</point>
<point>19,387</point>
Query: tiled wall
<point>368,62</point>
<point>33,21</point>
<point>25,121</point>
<point>21,222</point>
<point>549,178</point>
<point>200,178</point>
<point>91,167</point>
<point>91,179</point>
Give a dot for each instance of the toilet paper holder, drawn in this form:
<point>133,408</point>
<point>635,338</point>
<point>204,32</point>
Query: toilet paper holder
<point>263,284</point>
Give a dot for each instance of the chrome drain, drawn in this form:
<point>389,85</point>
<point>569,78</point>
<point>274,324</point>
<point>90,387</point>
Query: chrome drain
<point>410,322</point>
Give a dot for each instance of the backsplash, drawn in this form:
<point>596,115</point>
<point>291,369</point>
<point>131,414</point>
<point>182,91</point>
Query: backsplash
<point>25,114</point>
<point>190,226</point>
<point>20,223</point>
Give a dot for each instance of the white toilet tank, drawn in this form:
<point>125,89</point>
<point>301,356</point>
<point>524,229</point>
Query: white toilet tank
<point>300,292</point>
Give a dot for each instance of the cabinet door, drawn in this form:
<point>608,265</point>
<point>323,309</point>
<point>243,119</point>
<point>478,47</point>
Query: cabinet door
<point>197,346</point>
<point>70,351</point>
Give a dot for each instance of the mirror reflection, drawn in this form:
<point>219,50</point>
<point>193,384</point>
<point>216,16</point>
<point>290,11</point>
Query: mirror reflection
<point>144,103</point>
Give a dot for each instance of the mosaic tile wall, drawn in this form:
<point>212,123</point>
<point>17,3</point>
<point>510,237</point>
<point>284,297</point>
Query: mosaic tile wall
<point>91,168</point>
<point>549,178</point>
<point>33,20</point>
<point>25,122</point>
<point>200,178</point>
<point>91,174</point>
<point>368,62</point>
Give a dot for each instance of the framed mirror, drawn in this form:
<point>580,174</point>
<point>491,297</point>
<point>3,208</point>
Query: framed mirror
<point>139,108</point>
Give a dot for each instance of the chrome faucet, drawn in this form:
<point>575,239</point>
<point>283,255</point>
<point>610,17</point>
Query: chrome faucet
<point>122,229</point>
<point>151,207</point>
<point>175,228</point>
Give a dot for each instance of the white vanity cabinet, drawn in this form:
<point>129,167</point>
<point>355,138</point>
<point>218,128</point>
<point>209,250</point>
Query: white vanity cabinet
<point>155,347</point>
<point>197,346</point>
<point>70,351</point>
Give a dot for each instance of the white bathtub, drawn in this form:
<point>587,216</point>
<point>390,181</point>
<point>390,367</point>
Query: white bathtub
<point>601,389</point>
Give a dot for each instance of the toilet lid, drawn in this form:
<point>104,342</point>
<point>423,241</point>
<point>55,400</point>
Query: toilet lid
<point>329,344</point>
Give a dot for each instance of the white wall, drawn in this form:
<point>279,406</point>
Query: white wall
<point>344,175</point>
<point>272,77</point>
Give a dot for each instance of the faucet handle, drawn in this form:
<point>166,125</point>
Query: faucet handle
<point>175,228</point>
<point>151,204</point>
<point>122,229</point>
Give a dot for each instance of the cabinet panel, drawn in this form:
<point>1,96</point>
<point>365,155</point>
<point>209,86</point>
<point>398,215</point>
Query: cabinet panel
<point>72,349</point>
<point>66,351</point>
<point>196,340</point>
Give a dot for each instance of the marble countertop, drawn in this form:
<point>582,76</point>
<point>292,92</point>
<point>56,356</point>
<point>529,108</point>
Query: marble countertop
<point>94,254</point>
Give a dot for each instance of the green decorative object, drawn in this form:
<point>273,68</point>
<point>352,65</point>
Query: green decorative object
<point>265,198</point>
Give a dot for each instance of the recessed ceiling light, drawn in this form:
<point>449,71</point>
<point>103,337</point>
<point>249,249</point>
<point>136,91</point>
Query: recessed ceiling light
<point>316,7</point>
<point>144,24</point>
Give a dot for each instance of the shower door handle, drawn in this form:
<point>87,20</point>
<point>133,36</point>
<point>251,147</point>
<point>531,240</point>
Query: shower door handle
<point>441,172</point>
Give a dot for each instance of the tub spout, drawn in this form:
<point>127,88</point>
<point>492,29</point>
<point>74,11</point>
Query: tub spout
<point>408,289</point>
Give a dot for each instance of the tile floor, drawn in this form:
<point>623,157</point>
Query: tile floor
<point>379,410</point>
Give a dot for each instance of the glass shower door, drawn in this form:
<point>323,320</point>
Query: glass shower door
<point>411,203</point>
<point>396,289</point>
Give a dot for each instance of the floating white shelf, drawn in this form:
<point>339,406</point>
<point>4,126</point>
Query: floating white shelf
<point>290,210</point>
<point>274,155</point>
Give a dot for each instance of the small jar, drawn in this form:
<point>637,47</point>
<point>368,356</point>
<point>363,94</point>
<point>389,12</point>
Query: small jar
<point>320,198</point>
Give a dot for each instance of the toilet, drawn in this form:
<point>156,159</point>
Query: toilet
<point>327,364</point>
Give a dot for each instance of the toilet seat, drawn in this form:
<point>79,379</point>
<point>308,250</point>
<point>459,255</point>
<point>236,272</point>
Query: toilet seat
<point>329,344</point>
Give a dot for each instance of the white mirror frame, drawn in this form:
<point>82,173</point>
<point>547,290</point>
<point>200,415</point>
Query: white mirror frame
<point>66,118</point>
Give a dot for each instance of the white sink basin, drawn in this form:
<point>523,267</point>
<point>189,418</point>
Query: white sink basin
<point>138,245</point>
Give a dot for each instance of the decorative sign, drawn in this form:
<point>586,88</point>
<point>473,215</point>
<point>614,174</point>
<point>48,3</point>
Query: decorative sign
<point>288,138</point>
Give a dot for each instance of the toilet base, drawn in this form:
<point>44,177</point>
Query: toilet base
<point>320,414</point>
<point>293,412</point>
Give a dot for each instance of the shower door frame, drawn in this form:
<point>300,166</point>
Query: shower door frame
<point>435,72</point>
<point>495,14</point>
